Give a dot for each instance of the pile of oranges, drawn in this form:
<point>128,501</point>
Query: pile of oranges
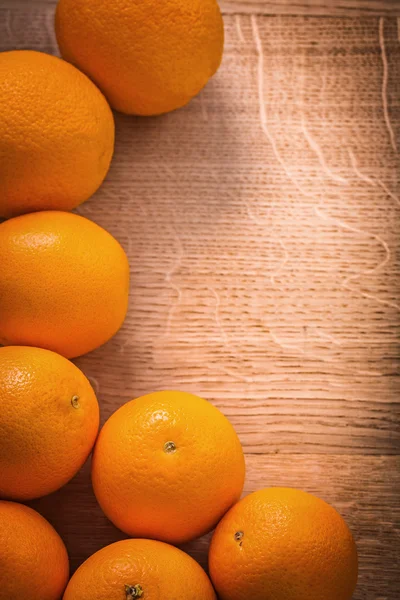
<point>168,467</point>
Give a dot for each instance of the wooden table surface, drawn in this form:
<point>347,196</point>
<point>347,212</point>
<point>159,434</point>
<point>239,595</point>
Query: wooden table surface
<point>262,226</point>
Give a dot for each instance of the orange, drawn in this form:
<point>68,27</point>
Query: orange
<point>140,569</point>
<point>49,419</point>
<point>56,134</point>
<point>63,283</point>
<point>283,544</point>
<point>167,466</point>
<point>33,559</point>
<point>148,57</point>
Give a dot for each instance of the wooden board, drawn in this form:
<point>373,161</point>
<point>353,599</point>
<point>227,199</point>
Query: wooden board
<point>262,226</point>
<point>286,7</point>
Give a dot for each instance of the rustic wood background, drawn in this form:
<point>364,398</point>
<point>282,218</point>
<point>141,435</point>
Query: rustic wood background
<point>262,225</point>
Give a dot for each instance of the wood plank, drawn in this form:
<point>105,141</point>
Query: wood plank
<point>262,223</point>
<point>363,489</point>
<point>330,8</point>
<point>348,8</point>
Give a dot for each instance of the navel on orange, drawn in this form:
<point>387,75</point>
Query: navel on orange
<point>64,283</point>
<point>33,559</point>
<point>147,57</point>
<point>146,569</point>
<point>56,134</point>
<point>167,466</point>
<point>283,544</point>
<point>49,419</point>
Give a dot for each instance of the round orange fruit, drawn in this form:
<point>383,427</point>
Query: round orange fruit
<point>147,57</point>
<point>283,544</point>
<point>49,419</point>
<point>33,559</point>
<point>146,569</point>
<point>167,466</point>
<point>56,134</point>
<point>64,283</point>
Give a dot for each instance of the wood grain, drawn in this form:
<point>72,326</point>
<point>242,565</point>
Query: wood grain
<point>262,226</point>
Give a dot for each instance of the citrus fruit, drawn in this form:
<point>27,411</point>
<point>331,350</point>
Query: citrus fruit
<point>167,466</point>
<point>56,134</point>
<point>63,283</point>
<point>283,544</point>
<point>49,419</point>
<point>145,569</point>
<point>147,57</point>
<point>33,559</point>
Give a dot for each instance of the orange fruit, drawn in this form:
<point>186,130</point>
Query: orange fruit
<point>167,466</point>
<point>33,559</point>
<point>49,419</point>
<point>283,544</point>
<point>145,569</point>
<point>64,283</point>
<point>147,57</point>
<point>56,134</point>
